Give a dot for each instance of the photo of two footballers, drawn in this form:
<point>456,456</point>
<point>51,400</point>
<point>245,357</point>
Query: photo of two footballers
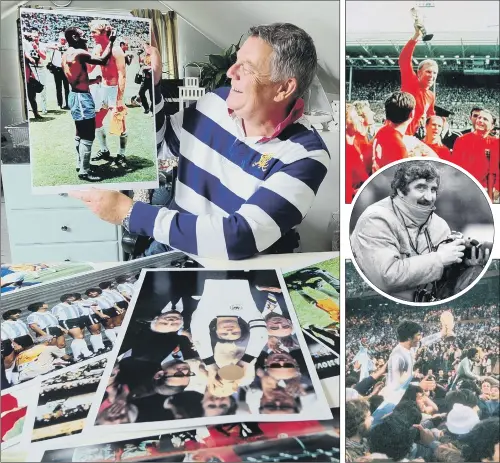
<point>95,134</point>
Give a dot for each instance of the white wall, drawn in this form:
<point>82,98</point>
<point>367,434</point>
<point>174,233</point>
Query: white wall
<point>192,45</point>
<point>223,22</point>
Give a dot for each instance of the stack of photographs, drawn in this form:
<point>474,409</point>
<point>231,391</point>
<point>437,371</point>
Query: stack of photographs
<point>192,348</point>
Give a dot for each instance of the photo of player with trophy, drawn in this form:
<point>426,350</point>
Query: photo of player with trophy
<point>411,92</point>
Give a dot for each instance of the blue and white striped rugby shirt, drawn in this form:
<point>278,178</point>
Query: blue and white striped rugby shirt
<point>235,195</point>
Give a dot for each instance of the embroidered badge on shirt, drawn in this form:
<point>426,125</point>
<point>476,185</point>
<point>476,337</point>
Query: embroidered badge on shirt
<point>263,162</point>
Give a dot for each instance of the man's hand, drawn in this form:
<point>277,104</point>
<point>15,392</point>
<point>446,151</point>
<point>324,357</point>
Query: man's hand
<point>426,435</point>
<point>213,376</point>
<point>110,206</point>
<point>479,257</point>
<point>156,65</point>
<point>452,253</point>
<point>120,106</point>
<point>427,384</point>
<point>418,32</point>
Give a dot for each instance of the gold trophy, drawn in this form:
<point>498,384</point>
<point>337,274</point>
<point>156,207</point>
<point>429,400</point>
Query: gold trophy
<point>447,324</point>
<point>418,23</point>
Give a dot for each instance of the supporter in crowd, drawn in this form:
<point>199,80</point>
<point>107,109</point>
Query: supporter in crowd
<point>450,422</point>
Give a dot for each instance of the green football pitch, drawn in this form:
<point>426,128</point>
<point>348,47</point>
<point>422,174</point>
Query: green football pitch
<point>53,154</point>
<point>307,313</point>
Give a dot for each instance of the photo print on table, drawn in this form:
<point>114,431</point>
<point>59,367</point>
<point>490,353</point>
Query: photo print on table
<point>200,348</point>
<point>20,276</point>
<point>54,325</point>
<point>64,401</point>
<point>315,294</point>
<point>14,411</point>
<point>421,231</point>
<point>224,443</point>
<point>92,131</point>
<point>420,86</point>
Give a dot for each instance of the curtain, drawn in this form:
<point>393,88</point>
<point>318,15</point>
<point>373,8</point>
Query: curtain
<point>164,37</point>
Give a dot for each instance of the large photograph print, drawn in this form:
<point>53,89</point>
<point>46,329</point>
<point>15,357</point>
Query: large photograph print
<point>82,74</point>
<point>418,85</point>
<point>209,347</point>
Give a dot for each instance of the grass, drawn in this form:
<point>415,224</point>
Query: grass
<point>53,154</point>
<point>307,313</point>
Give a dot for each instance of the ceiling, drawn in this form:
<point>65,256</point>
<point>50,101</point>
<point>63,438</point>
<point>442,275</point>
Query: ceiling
<point>223,22</point>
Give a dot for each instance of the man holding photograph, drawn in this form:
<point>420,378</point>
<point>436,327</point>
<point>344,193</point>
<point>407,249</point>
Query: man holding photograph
<point>74,64</point>
<point>251,166</point>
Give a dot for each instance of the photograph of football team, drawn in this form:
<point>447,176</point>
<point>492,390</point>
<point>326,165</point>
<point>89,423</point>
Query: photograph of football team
<point>56,324</point>
<point>209,347</point>
<point>86,128</point>
<point>418,85</point>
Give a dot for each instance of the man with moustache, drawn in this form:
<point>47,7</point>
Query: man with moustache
<point>418,84</point>
<point>399,241</point>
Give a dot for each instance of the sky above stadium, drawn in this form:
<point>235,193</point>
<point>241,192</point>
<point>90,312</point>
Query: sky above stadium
<point>390,17</point>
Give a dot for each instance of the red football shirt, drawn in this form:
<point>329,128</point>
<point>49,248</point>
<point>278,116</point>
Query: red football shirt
<point>388,147</point>
<point>365,148</point>
<point>469,153</point>
<point>424,98</point>
<point>442,151</point>
<point>355,172</point>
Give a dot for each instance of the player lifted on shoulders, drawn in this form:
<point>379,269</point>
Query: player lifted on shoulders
<point>114,76</point>
<point>418,84</point>
<point>74,63</point>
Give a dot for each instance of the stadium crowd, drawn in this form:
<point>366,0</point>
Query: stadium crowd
<point>50,26</point>
<point>457,99</point>
<point>448,413</point>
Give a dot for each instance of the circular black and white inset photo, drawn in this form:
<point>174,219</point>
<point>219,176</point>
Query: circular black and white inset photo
<point>421,231</point>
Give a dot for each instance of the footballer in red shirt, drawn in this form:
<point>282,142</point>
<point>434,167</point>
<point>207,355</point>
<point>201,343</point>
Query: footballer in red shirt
<point>355,170</point>
<point>469,151</point>
<point>418,84</point>
<point>433,129</point>
<point>388,144</point>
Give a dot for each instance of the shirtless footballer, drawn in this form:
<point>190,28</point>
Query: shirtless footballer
<point>74,64</point>
<point>114,77</point>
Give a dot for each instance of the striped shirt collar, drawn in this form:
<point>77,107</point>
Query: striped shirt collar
<point>294,115</point>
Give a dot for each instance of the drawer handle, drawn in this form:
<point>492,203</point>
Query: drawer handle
<point>64,228</point>
<point>63,194</point>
